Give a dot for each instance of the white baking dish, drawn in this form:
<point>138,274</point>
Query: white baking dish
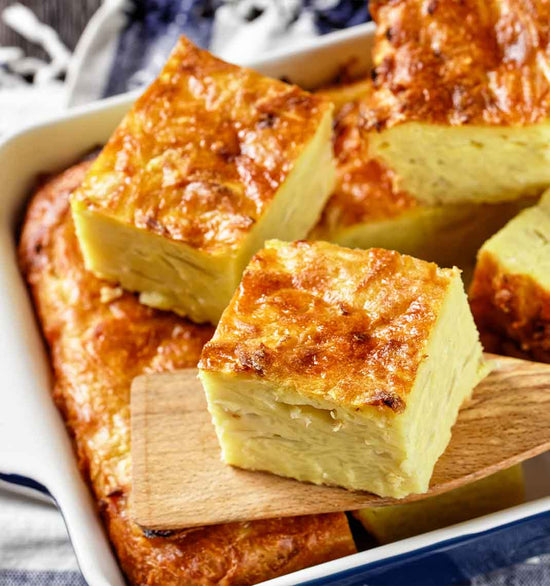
<point>33,440</point>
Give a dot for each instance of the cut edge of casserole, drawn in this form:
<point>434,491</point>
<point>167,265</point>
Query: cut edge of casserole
<point>451,164</point>
<point>367,209</point>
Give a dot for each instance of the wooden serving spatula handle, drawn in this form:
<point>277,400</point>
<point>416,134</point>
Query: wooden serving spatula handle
<point>180,481</point>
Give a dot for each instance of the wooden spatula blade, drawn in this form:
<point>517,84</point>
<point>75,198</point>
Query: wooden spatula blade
<point>180,481</point>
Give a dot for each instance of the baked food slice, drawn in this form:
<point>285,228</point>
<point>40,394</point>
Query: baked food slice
<point>212,160</point>
<point>99,339</point>
<point>367,209</point>
<point>339,366</point>
<point>510,291</point>
<point>494,493</point>
<point>461,110</point>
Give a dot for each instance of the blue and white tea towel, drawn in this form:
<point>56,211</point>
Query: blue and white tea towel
<point>127,41</point>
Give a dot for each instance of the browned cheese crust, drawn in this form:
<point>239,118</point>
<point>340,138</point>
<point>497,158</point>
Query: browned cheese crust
<point>512,312</point>
<point>365,189</point>
<point>351,325</point>
<point>461,61</point>
<point>96,348</point>
<point>203,151</point>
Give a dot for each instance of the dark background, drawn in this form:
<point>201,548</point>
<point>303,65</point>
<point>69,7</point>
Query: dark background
<point>67,17</point>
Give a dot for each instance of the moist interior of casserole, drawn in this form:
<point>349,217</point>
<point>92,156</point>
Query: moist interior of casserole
<point>522,247</point>
<point>441,163</point>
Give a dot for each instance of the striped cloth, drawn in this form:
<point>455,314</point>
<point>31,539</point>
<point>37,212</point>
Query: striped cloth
<point>34,545</point>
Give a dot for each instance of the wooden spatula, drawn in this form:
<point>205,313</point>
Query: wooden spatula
<point>180,481</point>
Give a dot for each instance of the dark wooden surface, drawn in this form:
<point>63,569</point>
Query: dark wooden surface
<point>67,17</point>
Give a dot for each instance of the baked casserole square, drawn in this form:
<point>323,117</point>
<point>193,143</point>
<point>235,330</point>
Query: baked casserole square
<point>462,101</point>
<point>510,292</point>
<point>212,160</point>
<point>342,367</point>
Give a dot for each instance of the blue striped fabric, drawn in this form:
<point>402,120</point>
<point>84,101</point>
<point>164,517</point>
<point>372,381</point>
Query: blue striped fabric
<point>40,578</point>
<point>154,26</point>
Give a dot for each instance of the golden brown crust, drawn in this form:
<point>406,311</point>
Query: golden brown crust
<point>351,325</point>
<point>96,349</point>
<point>365,189</point>
<point>461,61</point>
<point>512,312</point>
<point>203,151</point>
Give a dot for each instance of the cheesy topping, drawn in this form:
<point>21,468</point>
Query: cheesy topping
<point>348,324</point>
<point>451,62</point>
<point>203,151</point>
